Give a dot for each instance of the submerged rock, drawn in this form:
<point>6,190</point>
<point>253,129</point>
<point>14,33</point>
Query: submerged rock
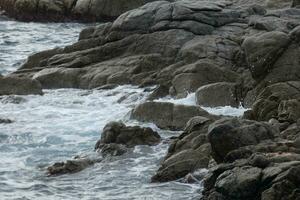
<point>70,166</point>
<point>5,121</point>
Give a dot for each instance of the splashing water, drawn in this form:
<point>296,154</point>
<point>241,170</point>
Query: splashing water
<point>19,40</point>
<point>67,122</point>
<point>191,100</point>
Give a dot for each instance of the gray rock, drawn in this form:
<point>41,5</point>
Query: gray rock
<point>239,182</point>
<point>70,166</point>
<point>118,133</point>
<point>217,94</point>
<point>187,153</point>
<point>226,135</point>
<point>167,115</point>
<point>263,50</point>
<point>19,86</point>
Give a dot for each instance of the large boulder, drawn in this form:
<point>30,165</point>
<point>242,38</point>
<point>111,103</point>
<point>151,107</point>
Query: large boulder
<point>226,135</point>
<point>187,153</point>
<point>263,50</point>
<point>218,94</point>
<point>20,86</point>
<point>240,182</point>
<point>167,115</point>
<point>130,136</point>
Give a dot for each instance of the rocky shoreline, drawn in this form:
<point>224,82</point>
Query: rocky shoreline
<point>228,53</point>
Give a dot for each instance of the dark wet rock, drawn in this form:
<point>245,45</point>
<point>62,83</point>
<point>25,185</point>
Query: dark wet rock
<point>5,121</point>
<point>70,166</point>
<point>19,86</point>
<point>112,149</point>
<point>263,50</point>
<point>239,182</point>
<point>295,34</point>
<point>218,94</point>
<point>267,102</point>
<point>186,154</point>
<point>130,136</point>
<point>167,115</point>
<point>226,135</point>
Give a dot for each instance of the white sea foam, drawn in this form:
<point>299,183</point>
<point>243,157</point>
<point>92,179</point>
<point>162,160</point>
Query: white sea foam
<point>67,122</point>
<point>191,100</point>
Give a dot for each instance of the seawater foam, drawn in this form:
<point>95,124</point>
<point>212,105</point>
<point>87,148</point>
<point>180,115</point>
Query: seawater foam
<point>66,122</point>
<point>191,100</point>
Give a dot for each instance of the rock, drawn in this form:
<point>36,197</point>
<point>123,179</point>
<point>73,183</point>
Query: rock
<point>226,135</point>
<point>5,121</point>
<point>240,182</point>
<point>296,3</point>
<point>58,78</point>
<point>193,76</point>
<point>267,102</point>
<point>70,166</point>
<point>63,10</point>
<point>19,86</point>
<point>289,110</point>
<point>112,149</point>
<point>217,94</point>
<point>167,115</point>
<point>180,164</point>
<point>263,50</point>
<point>118,133</point>
<point>189,152</point>
<point>295,34</point>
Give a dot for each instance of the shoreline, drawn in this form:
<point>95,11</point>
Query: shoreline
<point>227,56</point>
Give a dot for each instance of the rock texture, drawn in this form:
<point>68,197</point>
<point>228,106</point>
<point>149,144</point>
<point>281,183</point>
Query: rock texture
<point>116,139</point>
<point>230,52</point>
<point>19,86</point>
<point>187,153</point>
<point>130,136</point>
<point>167,115</point>
<point>62,10</point>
